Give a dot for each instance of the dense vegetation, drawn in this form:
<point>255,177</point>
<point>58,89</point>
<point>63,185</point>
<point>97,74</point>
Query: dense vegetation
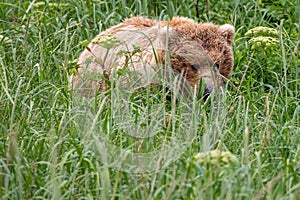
<point>50,141</point>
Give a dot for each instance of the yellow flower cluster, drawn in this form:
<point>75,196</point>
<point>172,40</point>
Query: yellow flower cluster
<point>107,42</point>
<point>262,31</point>
<point>262,37</point>
<point>262,41</point>
<point>216,158</point>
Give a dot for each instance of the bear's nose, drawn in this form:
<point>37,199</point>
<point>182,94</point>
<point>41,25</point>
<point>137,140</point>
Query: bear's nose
<point>206,93</point>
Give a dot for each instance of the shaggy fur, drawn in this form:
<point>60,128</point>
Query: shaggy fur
<point>195,50</point>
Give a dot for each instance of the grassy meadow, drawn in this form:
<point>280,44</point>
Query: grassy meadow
<point>240,144</point>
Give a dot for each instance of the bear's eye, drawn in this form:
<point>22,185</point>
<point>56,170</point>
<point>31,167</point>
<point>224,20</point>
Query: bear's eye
<point>216,66</point>
<point>196,67</point>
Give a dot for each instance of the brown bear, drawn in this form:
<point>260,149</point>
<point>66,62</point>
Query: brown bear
<point>179,47</point>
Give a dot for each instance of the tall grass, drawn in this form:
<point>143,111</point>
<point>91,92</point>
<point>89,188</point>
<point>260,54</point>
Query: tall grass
<point>50,139</point>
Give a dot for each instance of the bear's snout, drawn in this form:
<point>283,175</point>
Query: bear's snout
<point>206,93</point>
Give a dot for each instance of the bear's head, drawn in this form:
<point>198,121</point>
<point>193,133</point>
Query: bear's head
<point>216,40</point>
<point>188,59</point>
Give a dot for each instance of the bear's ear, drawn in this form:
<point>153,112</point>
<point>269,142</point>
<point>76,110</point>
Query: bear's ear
<point>227,32</point>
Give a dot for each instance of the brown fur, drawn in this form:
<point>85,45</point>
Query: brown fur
<point>216,41</point>
<point>188,43</point>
